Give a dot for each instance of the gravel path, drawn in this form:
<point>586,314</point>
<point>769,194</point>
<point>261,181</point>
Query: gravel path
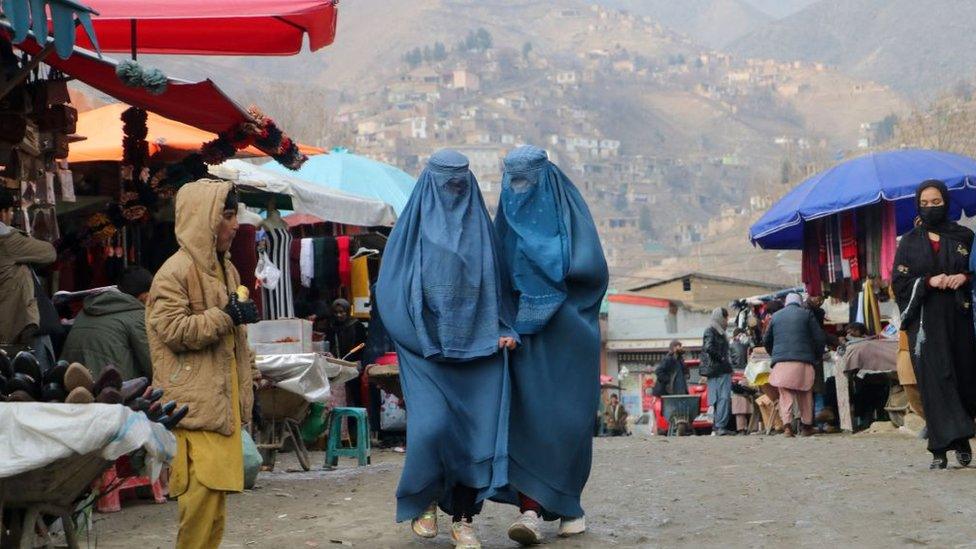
<point>869,490</point>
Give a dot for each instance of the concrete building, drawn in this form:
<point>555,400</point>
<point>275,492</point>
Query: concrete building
<point>701,291</point>
<point>639,330</point>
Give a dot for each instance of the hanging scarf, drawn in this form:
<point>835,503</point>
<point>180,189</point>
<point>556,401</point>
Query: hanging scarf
<point>811,258</point>
<point>889,240</point>
<point>848,243</point>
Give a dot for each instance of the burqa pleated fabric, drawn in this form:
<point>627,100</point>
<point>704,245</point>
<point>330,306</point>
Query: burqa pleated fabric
<point>939,326</point>
<point>441,300</point>
<point>552,254</point>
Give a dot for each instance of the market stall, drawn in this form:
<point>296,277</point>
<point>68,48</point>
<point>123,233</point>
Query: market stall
<point>846,220</point>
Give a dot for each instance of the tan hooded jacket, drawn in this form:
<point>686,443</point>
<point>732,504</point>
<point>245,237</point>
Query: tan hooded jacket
<point>18,252</point>
<point>186,323</point>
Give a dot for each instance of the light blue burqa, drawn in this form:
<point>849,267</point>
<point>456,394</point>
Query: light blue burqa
<point>551,251</point>
<point>442,301</point>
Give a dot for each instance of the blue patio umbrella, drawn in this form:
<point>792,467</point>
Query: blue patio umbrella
<point>868,179</point>
<point>356,175</point>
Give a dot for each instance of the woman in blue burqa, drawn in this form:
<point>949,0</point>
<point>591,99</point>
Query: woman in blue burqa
<point>441,299</point>
<point>555,264</point>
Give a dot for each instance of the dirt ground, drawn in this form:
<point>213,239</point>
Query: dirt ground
<point>866,490</point>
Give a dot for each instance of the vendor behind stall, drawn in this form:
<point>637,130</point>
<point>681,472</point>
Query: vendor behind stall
<point>111,329</point>
<point>21,321</point>
<point>345,333</point>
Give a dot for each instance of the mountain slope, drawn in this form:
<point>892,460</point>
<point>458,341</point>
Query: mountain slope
<point>714,23</point>
<point>911,45</point>
<point>779,9</point>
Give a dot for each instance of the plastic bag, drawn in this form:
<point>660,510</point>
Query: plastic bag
<point>252,460</point>
<point>393,416</point>
<point>267,272</point>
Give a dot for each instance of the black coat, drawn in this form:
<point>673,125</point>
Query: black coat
<point>794,335</point>
<point>670,374</point>
<point>715,358</point>
<point>940,332</point>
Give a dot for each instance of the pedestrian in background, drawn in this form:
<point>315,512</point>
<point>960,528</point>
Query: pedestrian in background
<point>716,367</point>
<point>21,321</point>
<point>795,343</point>
<point>615,417</point>
<point>670,376</point>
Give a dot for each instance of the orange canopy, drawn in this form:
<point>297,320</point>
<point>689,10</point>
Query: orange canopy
<point>168,139</point>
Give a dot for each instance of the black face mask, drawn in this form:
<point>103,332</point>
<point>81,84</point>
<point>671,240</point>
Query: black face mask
<point>932,215</point>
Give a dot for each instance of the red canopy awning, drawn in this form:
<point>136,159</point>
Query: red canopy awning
<point>199,104</point>
<point>212,27</point>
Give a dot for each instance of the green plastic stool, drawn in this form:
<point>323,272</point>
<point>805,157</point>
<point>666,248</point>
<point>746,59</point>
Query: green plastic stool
<point>362,449</point>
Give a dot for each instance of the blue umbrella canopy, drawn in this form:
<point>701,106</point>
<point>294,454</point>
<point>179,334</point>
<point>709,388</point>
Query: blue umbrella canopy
<point>355,175</point>
<point>868,179</point>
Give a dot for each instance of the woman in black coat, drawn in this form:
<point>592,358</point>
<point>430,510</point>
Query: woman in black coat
<point>932,285</point>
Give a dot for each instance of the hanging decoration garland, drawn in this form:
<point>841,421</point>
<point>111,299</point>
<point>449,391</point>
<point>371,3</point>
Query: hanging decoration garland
<point>134,75</point>
<point>270,139</point>
<point>135,196</point>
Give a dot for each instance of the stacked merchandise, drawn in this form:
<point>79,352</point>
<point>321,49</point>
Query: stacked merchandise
<point>22,380</point>
<point>330,267</point>
<point>36,125</point>
<point>849,256</point>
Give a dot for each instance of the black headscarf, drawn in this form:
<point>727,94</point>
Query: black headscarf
<point>944,226</point>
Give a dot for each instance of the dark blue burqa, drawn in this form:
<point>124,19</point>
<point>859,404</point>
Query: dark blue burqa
<point>442,303</point>
<point>552,253</point>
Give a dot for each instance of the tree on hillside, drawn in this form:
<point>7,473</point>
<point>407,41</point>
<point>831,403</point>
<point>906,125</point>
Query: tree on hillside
<point>886,129</point>
<point>785,172</point>
<point>440,51</point>
<point>413,57</point>
<point>526,49</point>
<point>479,40</point>
<point>427,54</point>
<point>484,39</point>
<point>963,90</point>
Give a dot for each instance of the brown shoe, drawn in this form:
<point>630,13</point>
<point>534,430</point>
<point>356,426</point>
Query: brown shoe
<point>807,431</point>
<point>788,431</point>
<point>110,376</point>
<point>109,395</point>
<point>78,376</point>
<point>20,396</point>
<point>79,395</point>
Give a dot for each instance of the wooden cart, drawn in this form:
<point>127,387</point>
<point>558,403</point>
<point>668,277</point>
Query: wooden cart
<point>50,491</point>
<point>282,414</point>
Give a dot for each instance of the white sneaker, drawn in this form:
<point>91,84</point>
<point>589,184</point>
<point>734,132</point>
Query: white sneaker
<point>464,536</point>
<point>572,527</point>
<point>525,529</point>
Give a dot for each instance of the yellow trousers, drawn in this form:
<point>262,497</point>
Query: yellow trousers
<point>201,515</point>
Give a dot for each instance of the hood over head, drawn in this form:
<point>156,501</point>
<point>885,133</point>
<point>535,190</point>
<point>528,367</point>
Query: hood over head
<point>110,302</point>
<point>199,207</point>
